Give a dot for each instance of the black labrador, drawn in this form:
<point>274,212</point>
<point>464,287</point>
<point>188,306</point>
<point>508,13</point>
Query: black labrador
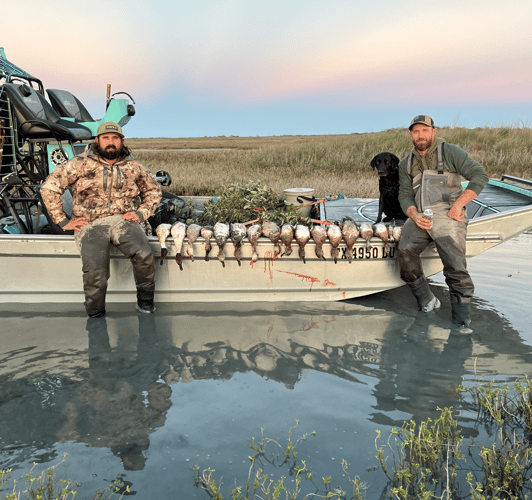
<point>387,166</point>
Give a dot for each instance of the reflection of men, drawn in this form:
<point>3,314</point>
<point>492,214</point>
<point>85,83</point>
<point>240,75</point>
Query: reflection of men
<point>122,400</point>
<point>106,182</point>
<point>430,177</point>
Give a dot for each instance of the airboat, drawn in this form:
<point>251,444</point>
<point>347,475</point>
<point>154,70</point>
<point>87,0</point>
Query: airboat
<point>40,263</point>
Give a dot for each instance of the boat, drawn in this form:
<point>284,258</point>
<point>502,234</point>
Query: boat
<point>38,133</point>
<point>47,268</point>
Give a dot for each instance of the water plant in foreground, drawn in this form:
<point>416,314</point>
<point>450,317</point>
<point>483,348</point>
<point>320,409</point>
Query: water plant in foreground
<point>46,486</point>
<point>425,457</point>
<point>260,486</point>
<point>426,460</point>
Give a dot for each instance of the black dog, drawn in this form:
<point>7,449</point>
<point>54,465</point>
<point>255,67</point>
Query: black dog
<point>387,166</point>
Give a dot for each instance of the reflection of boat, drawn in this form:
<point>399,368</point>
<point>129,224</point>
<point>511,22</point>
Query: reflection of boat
<point>46,268</point>
<point>110,382</point>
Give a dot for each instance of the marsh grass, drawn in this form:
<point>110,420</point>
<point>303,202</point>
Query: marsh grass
<point>336,164</point>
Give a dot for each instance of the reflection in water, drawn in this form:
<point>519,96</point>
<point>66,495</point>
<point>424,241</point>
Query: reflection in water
<point>206,377</point>
<point>118,391</point>
<point>122,400</point>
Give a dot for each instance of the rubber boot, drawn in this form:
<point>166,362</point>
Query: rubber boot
<point>426,301</point>
<point>461,315</point>
<point>145,301</point>
<point>94,313</point>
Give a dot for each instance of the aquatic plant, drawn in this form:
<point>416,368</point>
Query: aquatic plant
<point>426,460</point>
<point>259,484</point>
<point>506,466</point>
<point>250,202</point>
<point>425,457</point>
<point>46,486</point>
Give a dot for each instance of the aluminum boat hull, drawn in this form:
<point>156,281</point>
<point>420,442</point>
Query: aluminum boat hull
<point>47,268</point>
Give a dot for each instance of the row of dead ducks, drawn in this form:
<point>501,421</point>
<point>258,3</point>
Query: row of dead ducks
<point>348,231</point>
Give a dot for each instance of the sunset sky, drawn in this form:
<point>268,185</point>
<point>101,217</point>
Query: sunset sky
<point>255,67</point>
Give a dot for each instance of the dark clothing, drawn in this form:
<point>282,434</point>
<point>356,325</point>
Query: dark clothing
<point>93,242</point>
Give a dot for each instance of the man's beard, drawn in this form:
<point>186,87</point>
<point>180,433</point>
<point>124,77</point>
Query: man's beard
<point>110,153</point>
<point>423,144</point>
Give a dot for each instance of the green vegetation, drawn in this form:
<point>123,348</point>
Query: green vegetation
<point>252,202</point>
<point>46,486</point>
<point>425,460</point>
<point>336,164</point>
<point>259,485</point>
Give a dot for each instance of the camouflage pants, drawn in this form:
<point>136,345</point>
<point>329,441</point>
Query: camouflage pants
<point>449,236</point>
<point>93,243</point>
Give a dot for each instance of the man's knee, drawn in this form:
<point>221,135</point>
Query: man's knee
<point>409,265</point>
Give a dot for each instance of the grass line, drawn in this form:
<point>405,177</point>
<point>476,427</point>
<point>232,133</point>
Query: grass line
<point>336,164</point>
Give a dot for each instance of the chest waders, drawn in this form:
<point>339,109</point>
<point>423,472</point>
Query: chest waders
<point>438,190</point>
<point>129,238</point>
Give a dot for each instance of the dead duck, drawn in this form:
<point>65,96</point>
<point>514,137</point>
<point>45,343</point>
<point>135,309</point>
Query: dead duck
<point>272,231</point>
<point>319,235</point>
<point>238,233</point>
<point>178,231</point>
<point>366,233</point>
<point>193,232</point>
<point>350,234</point>
<point>334,233</point>
<point>221,234</point>
<point>253,234</point>
<point>381,231</point>
<point>287,235</point>
<point>206,234</point>
<point>163,231</point>
<point>302,234</point>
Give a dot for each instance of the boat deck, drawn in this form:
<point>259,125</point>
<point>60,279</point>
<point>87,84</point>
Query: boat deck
<point>494,198</point>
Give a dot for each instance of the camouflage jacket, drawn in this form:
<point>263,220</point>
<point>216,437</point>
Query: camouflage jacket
<point>100,189</point>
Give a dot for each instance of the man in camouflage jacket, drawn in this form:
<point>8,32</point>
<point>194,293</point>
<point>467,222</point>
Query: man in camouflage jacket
<point>106,185</point>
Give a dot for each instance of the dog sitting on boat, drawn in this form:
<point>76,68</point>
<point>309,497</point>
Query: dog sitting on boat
<point>387,166</point>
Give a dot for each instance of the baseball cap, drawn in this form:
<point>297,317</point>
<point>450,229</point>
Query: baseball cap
<point>110,128</point>
<point>422,119</point>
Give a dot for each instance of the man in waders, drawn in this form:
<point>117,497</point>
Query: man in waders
<point>430,177</point>
<point>112,195</point>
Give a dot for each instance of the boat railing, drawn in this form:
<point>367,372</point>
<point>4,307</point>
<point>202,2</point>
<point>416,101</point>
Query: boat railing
<point>516,180</point>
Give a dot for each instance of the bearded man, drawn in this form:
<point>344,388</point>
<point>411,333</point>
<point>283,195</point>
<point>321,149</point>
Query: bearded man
<point>430,177</point>
<point>106,184</point>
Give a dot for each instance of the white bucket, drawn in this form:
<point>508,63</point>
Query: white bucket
<point>292,194</point>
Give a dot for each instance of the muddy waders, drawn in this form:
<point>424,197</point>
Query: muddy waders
<point>448,236</point>
<point>93,243</point>
<point>438,190</point>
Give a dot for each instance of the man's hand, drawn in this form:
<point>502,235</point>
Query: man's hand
<point>76,224</point>
<point>131,216</point>
<point>456,212</point>
<point>421,221</point>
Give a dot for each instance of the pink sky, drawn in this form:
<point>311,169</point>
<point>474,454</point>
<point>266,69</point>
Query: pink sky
<point>239,55</point>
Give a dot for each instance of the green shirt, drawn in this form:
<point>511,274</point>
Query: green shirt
<point>455,159</point>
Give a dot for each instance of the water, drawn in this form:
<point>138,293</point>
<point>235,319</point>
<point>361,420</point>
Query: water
<point>139,397</point>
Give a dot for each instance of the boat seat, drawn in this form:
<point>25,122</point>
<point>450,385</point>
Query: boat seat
<point>37,120</point>
<point>68,105</point>
<point>67,208</point>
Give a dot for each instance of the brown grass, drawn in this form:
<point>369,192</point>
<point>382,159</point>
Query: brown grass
<point>336,164</point>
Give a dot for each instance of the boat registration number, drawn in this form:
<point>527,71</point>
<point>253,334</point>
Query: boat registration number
<point>379,252</point>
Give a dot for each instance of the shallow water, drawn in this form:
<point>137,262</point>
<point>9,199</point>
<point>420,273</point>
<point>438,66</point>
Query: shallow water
<point>139,397</point>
